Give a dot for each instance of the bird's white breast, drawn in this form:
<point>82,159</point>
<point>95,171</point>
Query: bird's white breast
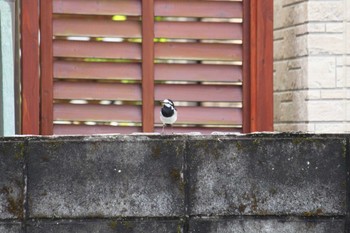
<point>168,120</point>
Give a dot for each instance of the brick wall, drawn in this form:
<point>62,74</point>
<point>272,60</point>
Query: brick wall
<point>312,65</point>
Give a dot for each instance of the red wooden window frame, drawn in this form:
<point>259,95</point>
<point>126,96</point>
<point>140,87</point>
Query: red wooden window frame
<point>30,67</point>
<point>37,100</point>
<point>46,55</point>
<point>147,66</point>
<point>258,66</point>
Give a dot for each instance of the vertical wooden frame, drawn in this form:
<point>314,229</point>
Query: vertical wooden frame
<point>147,65</point>
<point>246,68</point>
<point>264,65</point>
<point>30,67</point>
<point>46,67</point>
<point>258,66</point>
<point>17,73</point>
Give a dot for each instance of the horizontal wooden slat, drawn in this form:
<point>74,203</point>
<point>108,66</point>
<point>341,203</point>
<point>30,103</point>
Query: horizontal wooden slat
<point>97,7</point>
<point>205,115</point>
<point>92,49</point>
<point>98,91</point>
<point>185,8</point>
<point>198,72</point>
<point>97,70</point>
<point>192,92</point>
<point>198,51</point>
<point>203,130</point>
<point>95,112</point>
<point>96,28</point>
<point>198,30</point>
<point>93,129</point>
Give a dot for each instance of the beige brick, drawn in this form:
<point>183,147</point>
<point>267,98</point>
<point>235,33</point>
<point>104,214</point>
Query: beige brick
<point>333,94</point>
<point>289,15</point>
<point>284,96</point>
<point>321,72</point>
<point>290,74</point>
<point>326,110</point>
<point>347,41</point>
<point>291,31</point>
<point>311,127</point>
<point>341,78</point>
<point>347,75</point>
<point>278,14</point>
<point>326,44</point>
<point>291,127</point>
<point>347,107</point>
<point>339,60</point>
<point>325,10</point>
<point>291,46</point>
<point>313,94</point>
<point>347,9</point>
<point>316,27</point>
<point>330,127</point>
<point>295,110</point>
<point>335,27</point>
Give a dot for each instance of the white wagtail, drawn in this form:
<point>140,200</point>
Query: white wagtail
<point>168,113</point>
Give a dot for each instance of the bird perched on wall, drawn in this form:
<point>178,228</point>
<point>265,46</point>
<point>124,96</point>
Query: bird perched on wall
<point>168,113</point>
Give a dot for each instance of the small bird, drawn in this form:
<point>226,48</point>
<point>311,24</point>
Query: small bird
<point>168,113</point>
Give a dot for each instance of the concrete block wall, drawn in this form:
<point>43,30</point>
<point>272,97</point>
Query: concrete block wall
<point>151,183</point>
<point>312,71</point>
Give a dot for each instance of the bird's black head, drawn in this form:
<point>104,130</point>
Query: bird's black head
<point>168,103</point>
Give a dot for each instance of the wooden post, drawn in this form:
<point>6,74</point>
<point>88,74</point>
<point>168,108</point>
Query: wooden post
<point>246,67</point>
<point>30,66</point>
<point>258,66</point>
<point>147,65</point>
<point>46,65</point>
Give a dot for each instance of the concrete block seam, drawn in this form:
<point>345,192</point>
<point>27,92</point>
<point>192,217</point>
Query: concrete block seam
<point>347,154</point>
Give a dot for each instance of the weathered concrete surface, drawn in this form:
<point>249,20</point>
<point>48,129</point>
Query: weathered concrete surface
<point>178,183</point>
<point>266,226</point>
<point>105,178</point>
<point>11,179</point>
<point>262,176</point>
<point>11,228</point>
<point>108,226</point>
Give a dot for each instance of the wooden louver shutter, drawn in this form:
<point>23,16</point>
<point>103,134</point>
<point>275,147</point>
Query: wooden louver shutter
<point>97,66</point>
<point>198,62</point>
<point>105,65</point>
